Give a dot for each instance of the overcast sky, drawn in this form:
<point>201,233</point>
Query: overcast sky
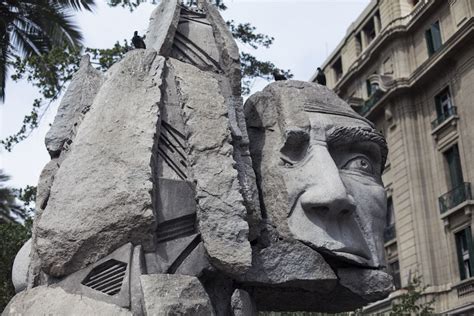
<point>305,32</point>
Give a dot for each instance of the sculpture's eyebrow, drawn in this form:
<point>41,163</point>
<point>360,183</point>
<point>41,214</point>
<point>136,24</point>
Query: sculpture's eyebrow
<point>349,135</point>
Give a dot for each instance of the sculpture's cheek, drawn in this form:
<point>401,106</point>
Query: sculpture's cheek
<point>371,212</point>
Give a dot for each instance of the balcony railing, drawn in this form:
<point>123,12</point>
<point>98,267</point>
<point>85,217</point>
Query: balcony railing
<point>455,197</point>
<point>370,102</point>
<point>443,117</point>
<point>389,233</point>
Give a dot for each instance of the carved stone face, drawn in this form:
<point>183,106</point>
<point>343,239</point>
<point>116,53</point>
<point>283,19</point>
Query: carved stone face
<point>332,171</point>
<point>328,162</point>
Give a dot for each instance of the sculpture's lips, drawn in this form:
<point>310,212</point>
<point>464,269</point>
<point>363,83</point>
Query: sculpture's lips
<point>348,254</point>
<point>353,251</point>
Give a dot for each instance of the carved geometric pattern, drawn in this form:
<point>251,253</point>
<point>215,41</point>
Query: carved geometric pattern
<point>184,254</point>
<point>171,149</point>
<point>176,228</point>
<point>192,53</point>
<point>107,277</point>
<point>185,49</point>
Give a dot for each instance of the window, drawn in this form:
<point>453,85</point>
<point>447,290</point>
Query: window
<point>369,31</point>
<point>433,38</point>
<point>454,167</point>
<point>337,67</point>
<point>372,88</point>
<point>358,44</point>
<point>465,253</point>
<point>394,270</point>
<point>389,232</point>
<point>443,103</point>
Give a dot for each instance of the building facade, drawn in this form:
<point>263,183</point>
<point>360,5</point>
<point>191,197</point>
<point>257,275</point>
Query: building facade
<point>408,67</point>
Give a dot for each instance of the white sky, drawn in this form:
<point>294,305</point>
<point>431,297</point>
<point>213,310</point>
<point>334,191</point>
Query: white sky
<point>305,32</point>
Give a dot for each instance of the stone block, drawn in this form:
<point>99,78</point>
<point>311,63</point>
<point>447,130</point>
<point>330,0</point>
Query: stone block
<point>170,294</point>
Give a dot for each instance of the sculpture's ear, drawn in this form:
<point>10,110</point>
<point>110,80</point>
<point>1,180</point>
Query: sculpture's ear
<point>260,111</point>
<point>162,28</point>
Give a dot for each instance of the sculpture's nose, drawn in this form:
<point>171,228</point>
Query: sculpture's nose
<point>326,193</point>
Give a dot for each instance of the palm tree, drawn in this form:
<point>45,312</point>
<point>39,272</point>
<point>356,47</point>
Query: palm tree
<point>8,204</point>
<point>33,27</point>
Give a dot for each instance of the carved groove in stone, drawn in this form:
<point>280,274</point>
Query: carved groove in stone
<point>183,255</point>
<point>171,149</point>
<point>107,277</point>
<point>176,228</point>
<point>192,53</point>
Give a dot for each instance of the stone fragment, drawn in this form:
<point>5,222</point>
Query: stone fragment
<point>101,197</point>
<point>371,285</point>
<point>290,264</point>
<point>137,269</point>
<point>45,182</point>
<point>194,41</point>
<point>162,27</point>
<point>195,263</point>
<point>171,294</point>
<point>20,267</point>
<point>46,300</point>
<point>242,304</point>
<point>221,211</point>
<point>114,287</point>
<point>77,100</point>
<point>229,52</point>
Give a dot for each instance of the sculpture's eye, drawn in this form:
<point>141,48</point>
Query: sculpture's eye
<point>360,163</point>
<point>295,147</point>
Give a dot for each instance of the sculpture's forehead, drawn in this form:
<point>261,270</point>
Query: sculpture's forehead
<point>322,125</point>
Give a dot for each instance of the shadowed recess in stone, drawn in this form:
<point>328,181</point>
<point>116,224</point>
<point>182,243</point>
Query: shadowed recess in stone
<point>107,277</point>
<point>176,228</point>
<point>171,149</point>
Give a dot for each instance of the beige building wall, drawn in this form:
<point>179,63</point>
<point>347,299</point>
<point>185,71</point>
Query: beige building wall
<point>394,56</point>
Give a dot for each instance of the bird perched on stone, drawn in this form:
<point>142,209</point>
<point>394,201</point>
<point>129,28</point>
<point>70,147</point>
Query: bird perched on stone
<point>137,40</point>
<point>321,77</point>
<point>278,76</point>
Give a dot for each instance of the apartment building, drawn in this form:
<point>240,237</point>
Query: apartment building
<point>408,66</point>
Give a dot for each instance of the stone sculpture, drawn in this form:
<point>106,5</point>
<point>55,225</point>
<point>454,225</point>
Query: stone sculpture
<point>166,195</point>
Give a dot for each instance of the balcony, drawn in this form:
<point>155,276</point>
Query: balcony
<point>455,197</point>
<point>370,102</point>
<point>452,111</point>
<point>389,233</point>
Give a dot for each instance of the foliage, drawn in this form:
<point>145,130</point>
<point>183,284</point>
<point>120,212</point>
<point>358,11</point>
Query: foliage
<point>51,71</point>
<point>10,209</point>
<point>251,68</point>
<point>105,58</point>
<point>33,27</point>
<point>408,304</point>
<point>13,236</point>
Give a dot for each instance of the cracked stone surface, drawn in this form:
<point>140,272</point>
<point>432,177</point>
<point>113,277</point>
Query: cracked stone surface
<point>101,195</point>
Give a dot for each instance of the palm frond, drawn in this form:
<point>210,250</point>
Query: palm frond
<point>77,4</point>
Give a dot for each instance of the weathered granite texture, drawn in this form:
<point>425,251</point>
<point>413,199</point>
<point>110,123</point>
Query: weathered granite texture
<point>242,304</point>
<point>46,300</point>
<point>171,294</point>
<point>319,167</point>
<point>163,24</point>
<point>76,102</point>
<point>20,267</point>
<point>171,197</point>
<point>221,211</point>
<point>101,195</point>
<point>290,264</point>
